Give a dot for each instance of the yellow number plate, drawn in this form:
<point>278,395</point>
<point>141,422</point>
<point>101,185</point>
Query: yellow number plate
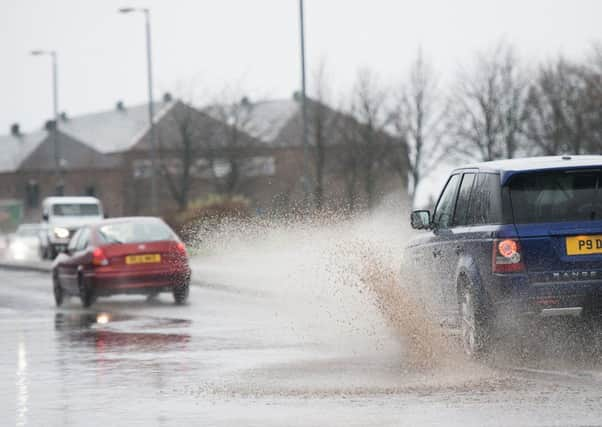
<point>142,259</point>
<point>584,245</point>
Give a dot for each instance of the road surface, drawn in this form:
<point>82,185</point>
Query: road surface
<point>238,356</point>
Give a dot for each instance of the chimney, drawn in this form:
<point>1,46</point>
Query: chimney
<point>64,116</point>
<point>167,97</point>
<point>50,125</point>
<point>15,130</point>
<point>119,106</point>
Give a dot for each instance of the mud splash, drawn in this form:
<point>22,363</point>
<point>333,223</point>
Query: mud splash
<point>411,319</point>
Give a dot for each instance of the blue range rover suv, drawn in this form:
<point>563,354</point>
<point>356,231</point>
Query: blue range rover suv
<point>511,241</point>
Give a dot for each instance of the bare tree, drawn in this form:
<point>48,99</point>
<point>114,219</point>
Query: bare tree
<point>320,126</point>
<point>592,93</point>
<point>348,159</point>
<point>418,118</point>
<point>489,106</point>
<point>182,135</point>
<point>228,155</point>
<point>325,134</point>
<point>556,109</point>
<point>368,106</point>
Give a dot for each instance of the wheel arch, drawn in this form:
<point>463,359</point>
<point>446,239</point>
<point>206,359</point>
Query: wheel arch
<point>467,274</point>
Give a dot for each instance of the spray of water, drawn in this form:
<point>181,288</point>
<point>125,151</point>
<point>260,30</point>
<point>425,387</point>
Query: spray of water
<point>336,279</point>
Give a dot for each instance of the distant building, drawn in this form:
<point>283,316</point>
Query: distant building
<point>254,149</point>
<point>278,126</point>
<point>28,172</point>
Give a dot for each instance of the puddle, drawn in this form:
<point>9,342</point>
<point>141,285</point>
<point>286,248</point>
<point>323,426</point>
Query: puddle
<point>107,331</point>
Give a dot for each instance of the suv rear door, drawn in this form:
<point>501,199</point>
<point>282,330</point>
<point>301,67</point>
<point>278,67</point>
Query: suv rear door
<point>558,217</point>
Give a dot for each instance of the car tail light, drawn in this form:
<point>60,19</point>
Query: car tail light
<point>99,257</point>
<point>506,256</point>
<point>181,248</point>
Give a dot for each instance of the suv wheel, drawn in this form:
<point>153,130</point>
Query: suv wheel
<point>472,323</point>
<point>58,291</point>
<point>180,293</point>
<point>86,294</point>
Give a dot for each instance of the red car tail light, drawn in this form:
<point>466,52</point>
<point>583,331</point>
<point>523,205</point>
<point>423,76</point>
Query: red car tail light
<point>99,258</point>
<point>181,248</point>
<point>506,256</point>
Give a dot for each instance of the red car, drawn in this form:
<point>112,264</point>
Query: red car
<point>137,255</point>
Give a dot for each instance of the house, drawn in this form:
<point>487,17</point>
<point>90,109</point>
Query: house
<point>28,169</point>
<point>337,158</point>
<point>253,149</point>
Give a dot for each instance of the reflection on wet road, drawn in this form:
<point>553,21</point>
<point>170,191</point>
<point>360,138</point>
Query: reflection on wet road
<point>232,357</point>
<point>107,332</point>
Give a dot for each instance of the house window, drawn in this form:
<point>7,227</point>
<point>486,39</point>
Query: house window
<point>202,169</point>
<point>172,166</point>
<point>218,168</point>
<point>142,168</point>
<point>259,166</point>
<point>32,194</point>
<point>221,168</point>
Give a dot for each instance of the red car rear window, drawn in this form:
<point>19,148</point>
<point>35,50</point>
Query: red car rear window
<point>135,232</point>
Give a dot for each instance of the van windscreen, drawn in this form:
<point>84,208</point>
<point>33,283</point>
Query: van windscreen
<point>555,196</point>
<point>75,209</point>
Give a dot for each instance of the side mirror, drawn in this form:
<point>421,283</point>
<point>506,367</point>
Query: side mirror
<point>421,219</point>
<point>45,216</point>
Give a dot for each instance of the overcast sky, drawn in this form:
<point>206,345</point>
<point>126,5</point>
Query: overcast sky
<point>253,44</point>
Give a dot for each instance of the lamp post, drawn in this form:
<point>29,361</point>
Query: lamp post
<point>151,112</point>
<point>60,186</point>
<point>306,177</point>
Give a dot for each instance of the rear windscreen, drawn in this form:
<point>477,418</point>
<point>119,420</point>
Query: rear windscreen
<point>555,196</point>
<point>75,209</point>
<point>135,232</point>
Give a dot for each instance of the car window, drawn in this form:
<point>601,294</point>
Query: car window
<point>73,242</point>
<point>83,240</point>
<point>485,206</point>
<point>461,216</point>
<point>555,196</point>
<point>76,209</point>
<point>445,207</point>
<point>135,232</point>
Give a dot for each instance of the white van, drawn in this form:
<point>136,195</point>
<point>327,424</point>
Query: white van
<point>62,217</point>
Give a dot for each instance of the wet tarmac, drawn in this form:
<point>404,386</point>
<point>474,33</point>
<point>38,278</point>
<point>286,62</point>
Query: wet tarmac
<point>248,355</point>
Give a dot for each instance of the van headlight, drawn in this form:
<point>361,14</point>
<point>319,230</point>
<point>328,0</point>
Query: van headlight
<point>61,233</point>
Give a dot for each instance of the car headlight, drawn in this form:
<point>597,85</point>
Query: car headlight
<point>61,233</point>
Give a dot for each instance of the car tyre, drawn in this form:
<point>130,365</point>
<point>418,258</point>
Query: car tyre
<point>152,297</point>
<point>180,293</point>
<point>473,323</point>
<point>57,290</point>
<point>86,293</point>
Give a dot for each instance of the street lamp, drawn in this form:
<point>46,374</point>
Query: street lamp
<point>55,107</point>
<point>151,113</point>
<point>304,105</point>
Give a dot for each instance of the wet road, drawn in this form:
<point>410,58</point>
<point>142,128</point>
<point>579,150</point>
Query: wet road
<point>238,356</point>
